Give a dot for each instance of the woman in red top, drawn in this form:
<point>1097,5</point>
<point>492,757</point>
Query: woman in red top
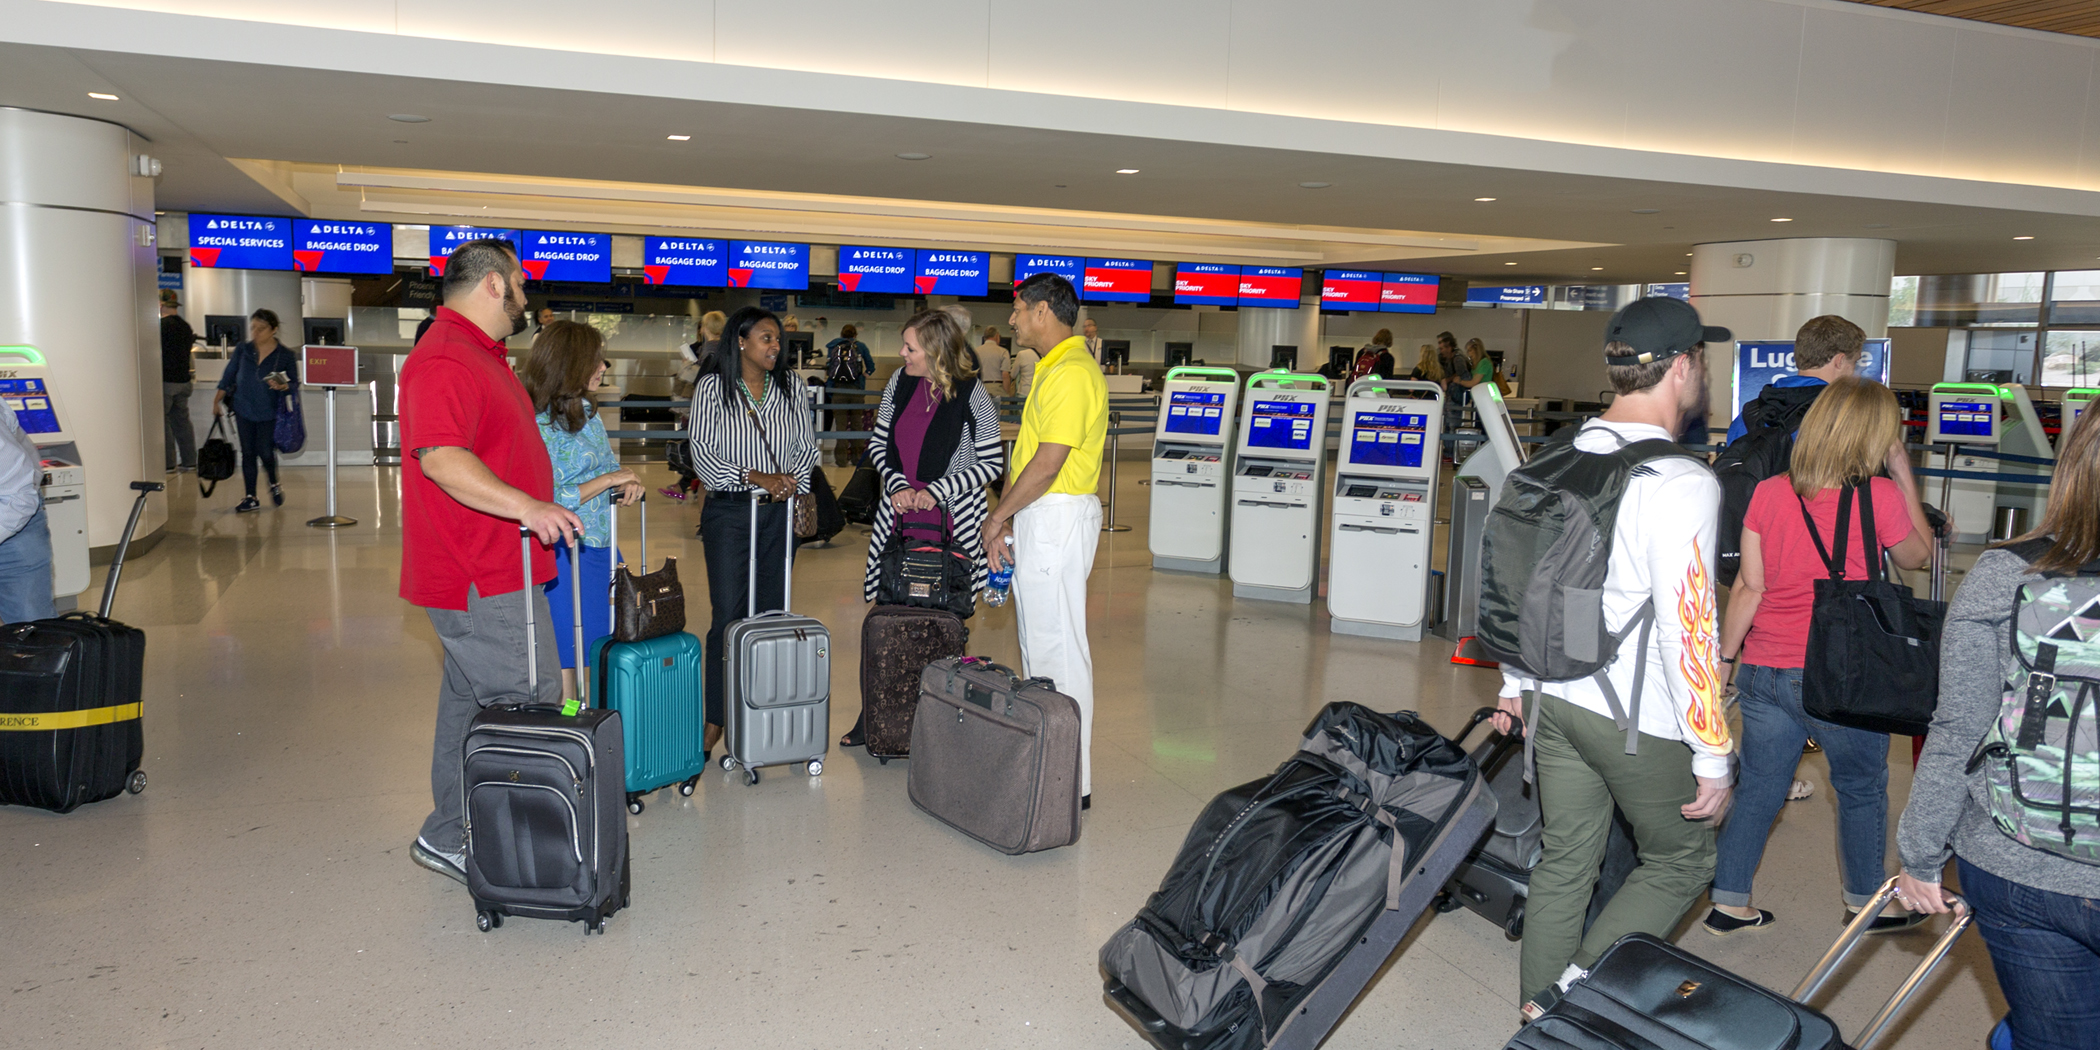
<point>1845,440</point>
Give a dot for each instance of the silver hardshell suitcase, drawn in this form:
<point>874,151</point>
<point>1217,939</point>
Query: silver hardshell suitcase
<point>777,674</point>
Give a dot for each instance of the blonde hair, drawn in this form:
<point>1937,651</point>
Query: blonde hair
<point>1430,364</point>
<point>2072,518</point>
<point>947,351</point>
<point>1845,438</point>
<point>711,324</point>
<point>1475,350</point>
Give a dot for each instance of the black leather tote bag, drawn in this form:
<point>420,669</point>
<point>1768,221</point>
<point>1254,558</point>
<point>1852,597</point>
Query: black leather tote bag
<point>922,565</point>
<point>1873,649</point>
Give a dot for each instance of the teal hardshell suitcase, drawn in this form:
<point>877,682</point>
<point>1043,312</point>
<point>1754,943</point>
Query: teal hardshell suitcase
<point>656,686</point>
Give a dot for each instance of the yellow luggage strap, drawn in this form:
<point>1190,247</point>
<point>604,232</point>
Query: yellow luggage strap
<point>50,720</point>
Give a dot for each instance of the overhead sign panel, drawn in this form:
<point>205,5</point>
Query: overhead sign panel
<point>1272,286</point>
<point>1117,281</point>
<point>1351,289</point>
<point>551,255</point>
<point>1407,293</point>
<point>942,272</point>
<point>1506,294</point>
<point>1065,266</point>
<point>881,271</point>
<point>443,239</point>
<point>240,242</point>
<point>328,246</point>
<point>1206,284</point>
<point>685,261</point>
<point>768,264</point>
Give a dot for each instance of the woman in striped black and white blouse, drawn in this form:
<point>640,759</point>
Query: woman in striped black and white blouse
<point>936,446</point>
<point>752,438</point>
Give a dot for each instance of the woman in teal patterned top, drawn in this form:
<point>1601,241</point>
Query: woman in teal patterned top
<point>566,362</point>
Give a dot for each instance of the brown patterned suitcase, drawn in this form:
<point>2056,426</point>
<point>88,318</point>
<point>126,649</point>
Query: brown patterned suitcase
<point>896,644</point>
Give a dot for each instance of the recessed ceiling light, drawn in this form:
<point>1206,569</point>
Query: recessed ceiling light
<point>1647,211</point>
<point>1687,255</point>
<point>408,118</point>
<point>103,95</point>
<point>1483,200</point>
<point>1314,185</point>
<point>679,138</point>
<point>1679,273</point>
<point>914,156</point>
<point>1509,264</point>
<point>1782,220</point>
<point>1596,267</point>
<point>1126,171</point>
<point>2024,237</point>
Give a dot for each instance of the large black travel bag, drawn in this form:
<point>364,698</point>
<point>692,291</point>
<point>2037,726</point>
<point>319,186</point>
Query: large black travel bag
<point>70,709</point>
<point>897,642</point>
<point>1291,892</point>
<point>857,501</point>
<point>545,804</point>
<point>1645,994</point>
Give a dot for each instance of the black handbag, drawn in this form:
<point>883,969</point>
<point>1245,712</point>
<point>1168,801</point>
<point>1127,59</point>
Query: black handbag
<point>930,572</point>
<point>216,458</point>
<point>1873,649</point>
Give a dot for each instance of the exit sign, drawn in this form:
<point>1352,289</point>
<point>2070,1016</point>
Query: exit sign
<point>328,365</point>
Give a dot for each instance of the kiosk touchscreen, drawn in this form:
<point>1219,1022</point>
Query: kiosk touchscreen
<point>1278,487</point>
<point>1385,508</point>
<point>1192,468</point>
<point>25,387</point>
<point>1964,414</point>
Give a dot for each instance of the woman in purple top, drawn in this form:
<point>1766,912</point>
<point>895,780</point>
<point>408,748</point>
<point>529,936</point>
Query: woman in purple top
<point>936,447</point>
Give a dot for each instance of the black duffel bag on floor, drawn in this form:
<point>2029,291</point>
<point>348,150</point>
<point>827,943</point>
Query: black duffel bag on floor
<point>1873,649</point>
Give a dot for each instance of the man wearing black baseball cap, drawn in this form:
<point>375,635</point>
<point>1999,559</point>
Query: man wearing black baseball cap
<point>1675,784</point>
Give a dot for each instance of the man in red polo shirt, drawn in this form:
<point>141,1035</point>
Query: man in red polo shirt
<point>475,472</point>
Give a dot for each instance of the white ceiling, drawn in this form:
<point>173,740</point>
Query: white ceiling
<point>199,113</point>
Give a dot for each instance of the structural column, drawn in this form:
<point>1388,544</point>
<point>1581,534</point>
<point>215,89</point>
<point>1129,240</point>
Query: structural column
<point>77,248</point>
<point>1765,290</point>
<point>1262,328</point>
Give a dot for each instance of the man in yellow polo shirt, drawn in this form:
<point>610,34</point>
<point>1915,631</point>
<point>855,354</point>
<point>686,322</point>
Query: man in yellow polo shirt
<point>1050,513</point>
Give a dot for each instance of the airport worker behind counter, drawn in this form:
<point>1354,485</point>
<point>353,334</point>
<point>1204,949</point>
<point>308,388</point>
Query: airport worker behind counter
<point>1677,781</point>
<point>1050,509</point>
<point>25,534</point>
<point>476,471</point>
<point>257,373</point>
<point>177,380</point>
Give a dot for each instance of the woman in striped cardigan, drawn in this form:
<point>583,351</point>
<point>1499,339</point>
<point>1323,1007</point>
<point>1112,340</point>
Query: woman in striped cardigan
<point>936,446</point>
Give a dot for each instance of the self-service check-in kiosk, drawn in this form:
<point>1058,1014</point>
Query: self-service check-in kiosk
<point>1999,416</point>
<point>1385,508</point>
<point>1279,484</point>
<point>25,387</point>
<point>1475,490</point>
<point>1192,468</point>
<point>2076,401</point>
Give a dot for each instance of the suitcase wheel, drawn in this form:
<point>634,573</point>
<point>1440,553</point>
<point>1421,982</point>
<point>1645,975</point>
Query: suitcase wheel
<point>137,782</point>
<point>634,803</point>
<point>1446,903</point>
<point>728,762</point>
<point>1514,925</point>
<point>487,920</point>
<point>881,761</point>
<point>751,776</point>
<point>686,787</point>
<point>816,767</point>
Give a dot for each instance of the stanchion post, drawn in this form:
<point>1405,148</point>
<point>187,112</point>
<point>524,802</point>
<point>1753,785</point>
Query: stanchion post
<point>1115,442</point>
<point>1947,488</point>
<point>332,520</point>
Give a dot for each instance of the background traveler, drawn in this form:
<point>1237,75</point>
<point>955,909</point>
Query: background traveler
<point>2039,910</point>
<point>565,364</point>
<point>25,533</point>
<point>259,371</point>
<point>1050,508</point>
<point>1429,366</point>
<point>475,471</point>
<point>994,364</point>
<point>752,438</point>
<point>1678,781</point>
<point>1826,349</point>
<point>1375,359</point>
<point>936,447</point>
<point>1852,433</point>
<point>847,363</point>
<point>177,376</point>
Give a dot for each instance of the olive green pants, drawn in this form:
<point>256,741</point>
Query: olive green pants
<point>1583,769</point>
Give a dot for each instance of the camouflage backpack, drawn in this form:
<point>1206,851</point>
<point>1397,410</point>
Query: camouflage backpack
<point>2041,756</point>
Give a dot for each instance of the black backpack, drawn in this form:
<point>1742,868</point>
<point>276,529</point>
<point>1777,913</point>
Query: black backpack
<point>1765,450</point>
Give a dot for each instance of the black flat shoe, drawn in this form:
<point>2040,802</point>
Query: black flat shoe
<point>1897,923</point>
<point>1721,924</point>
<point>1086,801</point>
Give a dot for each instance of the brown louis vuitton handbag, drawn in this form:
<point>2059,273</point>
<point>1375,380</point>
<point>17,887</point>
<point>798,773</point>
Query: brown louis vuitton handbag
<point>648,604</point>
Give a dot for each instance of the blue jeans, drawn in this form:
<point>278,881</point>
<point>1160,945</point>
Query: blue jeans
<point>25,572</point>
<point>597,607</point>
<point>1774,729</point>
<point>2045,948</point>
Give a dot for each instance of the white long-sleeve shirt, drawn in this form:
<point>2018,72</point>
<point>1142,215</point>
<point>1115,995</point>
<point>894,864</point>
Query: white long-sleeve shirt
<point>1662,549</point>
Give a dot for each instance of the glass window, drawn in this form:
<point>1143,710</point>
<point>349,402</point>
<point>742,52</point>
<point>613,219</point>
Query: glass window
<point>1962,300</point>
<point>2071,358</point>
<point>2000,357</point>
<point>2075,298</point>
<point>2011,298</point>
<point>1903,302</point>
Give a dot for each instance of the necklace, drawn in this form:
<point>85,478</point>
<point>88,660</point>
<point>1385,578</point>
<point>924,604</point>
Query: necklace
<point>755,402</point>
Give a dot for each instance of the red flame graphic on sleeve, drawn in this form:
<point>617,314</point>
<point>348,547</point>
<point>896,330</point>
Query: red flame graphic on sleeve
<point>1695,618</point>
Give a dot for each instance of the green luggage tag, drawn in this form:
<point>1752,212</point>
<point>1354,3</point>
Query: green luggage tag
<point>570,707</point>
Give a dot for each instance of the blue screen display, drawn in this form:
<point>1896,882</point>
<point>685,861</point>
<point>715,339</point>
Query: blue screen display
<point>328,246</point>
<point>32,407</point>
<point>687,261</point>
<point>1967,418</point>
<point>1388,439</point>
<point>240,242</point>
<point>880,271</point>
<point>766,264</point>
<point>1196,412</point>
<point>1281,424</point>
<point>1206,284</point>
<point>445,238</point>
<point>1071,269</point>
<point>953,273</point>
<point>560,256</point>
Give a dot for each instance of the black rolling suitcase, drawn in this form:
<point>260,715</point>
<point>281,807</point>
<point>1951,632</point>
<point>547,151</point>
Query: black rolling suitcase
<point>545,802</point>
<point>896,644</point>
<point>857,500</point>
<point>1291,892</point>
<point>1645,994</point>
<point>70,688</point>
<point>1495,881</point>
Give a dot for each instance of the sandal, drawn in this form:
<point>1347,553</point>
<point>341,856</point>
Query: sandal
<point>858,735</point>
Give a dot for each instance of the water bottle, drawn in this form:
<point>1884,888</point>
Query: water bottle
<point>998,587</point>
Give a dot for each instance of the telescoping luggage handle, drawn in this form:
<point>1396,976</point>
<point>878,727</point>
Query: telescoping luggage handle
<point>532,627</point>
<point>787,575</point>
<point>1847,941</point>
<point>612,579</point>
<point>116,562</point>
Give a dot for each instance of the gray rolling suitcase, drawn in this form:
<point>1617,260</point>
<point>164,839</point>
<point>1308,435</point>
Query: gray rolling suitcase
<point>777,674</point>
<point>996,756</point>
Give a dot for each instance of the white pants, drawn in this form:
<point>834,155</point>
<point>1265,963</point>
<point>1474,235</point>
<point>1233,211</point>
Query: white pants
<point>1054,541</point>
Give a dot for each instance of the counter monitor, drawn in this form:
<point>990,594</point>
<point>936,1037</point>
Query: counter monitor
<point>1968,418</point>
<point>1196,412</point>
<point>1281,424</point>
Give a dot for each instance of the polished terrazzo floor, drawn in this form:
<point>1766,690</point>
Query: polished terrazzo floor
<point>259,893</point>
